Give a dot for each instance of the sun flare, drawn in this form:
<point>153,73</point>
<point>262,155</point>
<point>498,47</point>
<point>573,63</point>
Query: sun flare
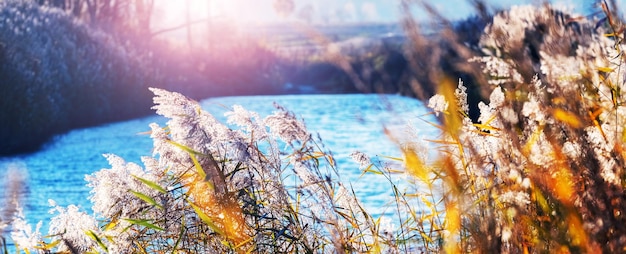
<point>237,12</point>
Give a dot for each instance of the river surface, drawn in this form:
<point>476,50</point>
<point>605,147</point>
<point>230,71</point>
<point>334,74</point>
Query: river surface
<point>344,122</point>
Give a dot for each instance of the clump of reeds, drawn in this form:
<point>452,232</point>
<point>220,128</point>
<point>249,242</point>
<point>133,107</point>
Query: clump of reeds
<point>262,185</point>
<point>542,168</point>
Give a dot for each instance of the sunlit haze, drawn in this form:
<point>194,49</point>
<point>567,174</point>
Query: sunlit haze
<point>171,13</point>
<point>227,18</point>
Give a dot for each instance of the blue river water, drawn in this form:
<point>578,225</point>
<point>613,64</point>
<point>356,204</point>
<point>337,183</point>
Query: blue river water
<point>344,122</point>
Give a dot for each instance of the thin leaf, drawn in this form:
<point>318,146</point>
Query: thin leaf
<point>205,218</point>
<point>250,251</point>
<point>593,115</point>
<point>331,160</point>
<point>452,121</point>
<point>110,225</point>
<point>605,69</point>
<point>184,148</point>
<point>198,167</point>
<point>577,232</point>
<point>151,184</point>
<point>146,198</point>
<point>180,236</point>
<point>95,237</point>
<point>243,243</point>
<point>370,169</point>
<point>143,249</point>
<point>392,158</point>
<point>144,223</point>
<point>51,245</point>
<point>485,127</point>
<point>192,155</point>
<point>441,142</point>
<point>347,218</point>
<point>416,166</point>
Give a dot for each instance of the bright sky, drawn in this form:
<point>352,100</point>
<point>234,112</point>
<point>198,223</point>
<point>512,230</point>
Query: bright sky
<point>172,12</point>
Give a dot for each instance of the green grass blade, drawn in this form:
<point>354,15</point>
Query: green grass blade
<point>144,223</point>
<point>51,245</point>
<point>180,236</point>
<point>205,218</point>
<point>4,244</point>
<point>151,184</point>
<point>199,168</point>
<point>192,154</point>
<point>95,237</point>
<point>146,198</point>
<point>184,148</point>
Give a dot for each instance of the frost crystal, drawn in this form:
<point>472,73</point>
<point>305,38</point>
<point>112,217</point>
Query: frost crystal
<point>499,70</point>
<point>438,104</point>
<point>515,197</point>
<point>461,96</point>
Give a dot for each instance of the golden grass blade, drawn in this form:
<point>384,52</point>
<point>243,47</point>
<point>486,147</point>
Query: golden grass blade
<point>110,225</point>
<point>370,169</point>
<point>605,69</point>
<point>416,166</point>
<point>429,204</point>
<point>143,249</point>
<point>392,158</point>
<point>453,226</point>
<point>532,140</point>
<point>331,160</point>
<point>485,127</point>
<point>576,231</point>
<point>348,218</point>
<point>441,142</point>
<point>567,117</point>
<point>199,169</point>
<point>593,115</point>
<point>243,243</point>
<point>452,120</point>
<point>51,245</point>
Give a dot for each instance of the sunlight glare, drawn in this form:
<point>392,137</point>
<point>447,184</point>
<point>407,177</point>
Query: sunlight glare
<point>236,12</point>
